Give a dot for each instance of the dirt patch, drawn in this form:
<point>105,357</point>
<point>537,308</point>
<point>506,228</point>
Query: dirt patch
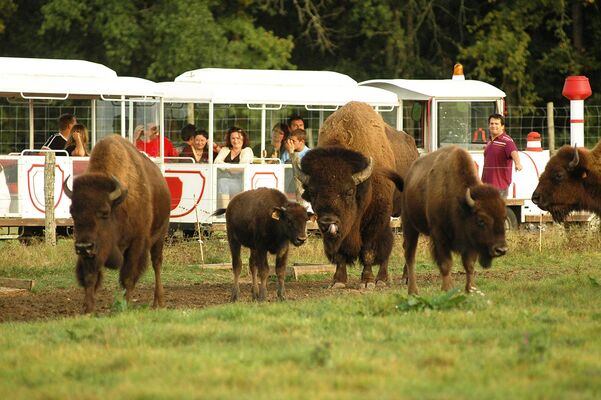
<point>52,304</point>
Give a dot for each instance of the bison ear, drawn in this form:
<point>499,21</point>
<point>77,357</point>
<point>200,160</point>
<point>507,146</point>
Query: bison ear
<point>277,212</point>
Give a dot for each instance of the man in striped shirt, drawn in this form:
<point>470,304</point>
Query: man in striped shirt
<point>499,154</point>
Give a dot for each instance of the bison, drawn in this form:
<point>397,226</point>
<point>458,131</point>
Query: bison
<point>347,180</point>
<point>445,199</point>
<point>120,207</point>
<point>264,221</point>
<point>570,182</point>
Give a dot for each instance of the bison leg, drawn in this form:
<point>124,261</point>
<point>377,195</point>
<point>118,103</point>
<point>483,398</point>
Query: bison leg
<point>134,263</point>
<point>444,259</point>
<point>235,247</point>
<point>263,271</point>
<point>367,277</point>
<point>281,260</point>
<point>340,276</point>
<point>383,250</point>
<point>252,265</point>
<point>90,278</point>
<point>156,255</point>
<point>410,237</point>
<point>469,259</point>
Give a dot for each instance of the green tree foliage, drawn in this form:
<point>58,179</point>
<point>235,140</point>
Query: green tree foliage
<point>525,47</point>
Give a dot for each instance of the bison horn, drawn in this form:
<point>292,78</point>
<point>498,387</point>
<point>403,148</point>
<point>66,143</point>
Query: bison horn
<point>298,172</point>
<point>574,163</point>
<point>66,189</point>
<point>115,194</point>
<point>361,176</point>
<point>468,198</point>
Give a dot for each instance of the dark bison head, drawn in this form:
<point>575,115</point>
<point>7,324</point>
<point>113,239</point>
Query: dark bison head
<point>484,222</point>
<point>93,201</point>
<point>292,220</point>
<point>336,183</point>
<point>561,187</point>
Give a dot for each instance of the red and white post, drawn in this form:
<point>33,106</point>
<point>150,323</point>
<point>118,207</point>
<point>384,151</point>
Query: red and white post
<point>577,89</point>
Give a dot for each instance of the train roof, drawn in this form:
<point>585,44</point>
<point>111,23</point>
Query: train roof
<point>62,79</point>
<point>424,89</point>
<point>256,86</point>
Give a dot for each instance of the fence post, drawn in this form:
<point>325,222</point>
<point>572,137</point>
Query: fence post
<point>50,231</point>
<point>551,127</point>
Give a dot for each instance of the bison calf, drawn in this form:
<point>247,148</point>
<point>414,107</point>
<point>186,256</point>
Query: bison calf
<point>445,199</point>
<point>263,220</point>
<point>120,208</point>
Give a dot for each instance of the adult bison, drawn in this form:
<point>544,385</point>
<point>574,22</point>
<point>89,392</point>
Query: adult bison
<point>571,182</point>
<point>264,221</point>
<point>347,179</point>
<point>120,208</point>
<point>445,199</point>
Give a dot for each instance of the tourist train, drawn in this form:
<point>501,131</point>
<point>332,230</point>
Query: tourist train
<point>33,92</point>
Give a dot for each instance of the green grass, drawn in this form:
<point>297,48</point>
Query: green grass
<point>532,332</point>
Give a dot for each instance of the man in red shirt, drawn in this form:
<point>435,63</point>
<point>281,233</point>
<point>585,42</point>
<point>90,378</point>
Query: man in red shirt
<point>148,141</point>
<point>499,154</point>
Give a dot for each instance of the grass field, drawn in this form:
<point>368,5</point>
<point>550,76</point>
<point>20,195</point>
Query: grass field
<point>532,332</point>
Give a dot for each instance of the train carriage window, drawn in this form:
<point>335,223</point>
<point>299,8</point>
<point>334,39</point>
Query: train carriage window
<point>414,120</point>
<point>464,123</point>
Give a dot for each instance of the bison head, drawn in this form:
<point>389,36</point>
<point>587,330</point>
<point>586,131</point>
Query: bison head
<point>484,222</point>
<point>292,221</point>
<point>561,187</point>
<point>93,201</point>
<point>336,183</point>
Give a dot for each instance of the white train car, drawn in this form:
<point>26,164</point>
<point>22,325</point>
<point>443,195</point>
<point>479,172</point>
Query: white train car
<point>455,111</point>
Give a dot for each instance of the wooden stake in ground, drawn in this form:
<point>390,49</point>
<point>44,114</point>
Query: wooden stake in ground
<point>49,167</point>
<point>202,257</point>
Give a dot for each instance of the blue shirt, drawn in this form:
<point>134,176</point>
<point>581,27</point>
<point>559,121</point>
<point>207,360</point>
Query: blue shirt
<point>285,157</point>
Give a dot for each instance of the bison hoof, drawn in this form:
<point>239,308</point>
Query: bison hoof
<point>382,283</point>
<point>338,285</point>
<point>370,285</point>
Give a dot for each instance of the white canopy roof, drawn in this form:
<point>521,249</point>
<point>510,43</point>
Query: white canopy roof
<point>423,89</point>
<point>62,79</point>
<point>254,86</point>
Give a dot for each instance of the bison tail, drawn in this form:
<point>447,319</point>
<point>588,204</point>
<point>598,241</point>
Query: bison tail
<point>218,212</point>
<point>395,178</point>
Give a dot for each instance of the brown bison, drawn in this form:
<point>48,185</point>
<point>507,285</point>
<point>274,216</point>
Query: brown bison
<point>264,221</point>
<point>120,208</point>
<point>570,182</point>
<point>445,199</point>
<point>347,180</point>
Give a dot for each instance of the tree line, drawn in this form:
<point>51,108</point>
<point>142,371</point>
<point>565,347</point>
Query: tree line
<point>524,47</point>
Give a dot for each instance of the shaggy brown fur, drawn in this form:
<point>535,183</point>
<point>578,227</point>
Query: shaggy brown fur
<point>568,184</point>
<point>436,204</point>
<point>354,218</point>
<point>264,221</point>
<point>119,233</point>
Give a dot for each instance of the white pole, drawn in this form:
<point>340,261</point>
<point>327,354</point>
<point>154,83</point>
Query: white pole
<point>577,123</point>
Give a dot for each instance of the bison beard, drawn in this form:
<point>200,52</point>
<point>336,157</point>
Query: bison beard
<point>120,208</point>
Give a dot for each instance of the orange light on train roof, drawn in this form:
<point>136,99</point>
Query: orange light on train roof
<point>458,72</point>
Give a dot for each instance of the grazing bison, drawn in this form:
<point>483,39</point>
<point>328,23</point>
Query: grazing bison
<point>120,208</point>
<point>264,221</point>
<point>571,182</point>
<point>445,199</point>
<point>347,180</point>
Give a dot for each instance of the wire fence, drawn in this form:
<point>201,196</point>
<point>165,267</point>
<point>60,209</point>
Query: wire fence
<point>522,120</point>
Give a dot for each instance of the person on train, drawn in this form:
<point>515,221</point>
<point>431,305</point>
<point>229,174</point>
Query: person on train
<point>59,140</point>
<point>187,135</point>
<point>235,151</point>
<point>77,144</point>
<point>199,150</point>
<point>147,140</point>
<point>279,133</point>
<point>295,144</point>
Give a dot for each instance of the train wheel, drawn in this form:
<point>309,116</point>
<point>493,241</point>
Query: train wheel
<point>511,221</point>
